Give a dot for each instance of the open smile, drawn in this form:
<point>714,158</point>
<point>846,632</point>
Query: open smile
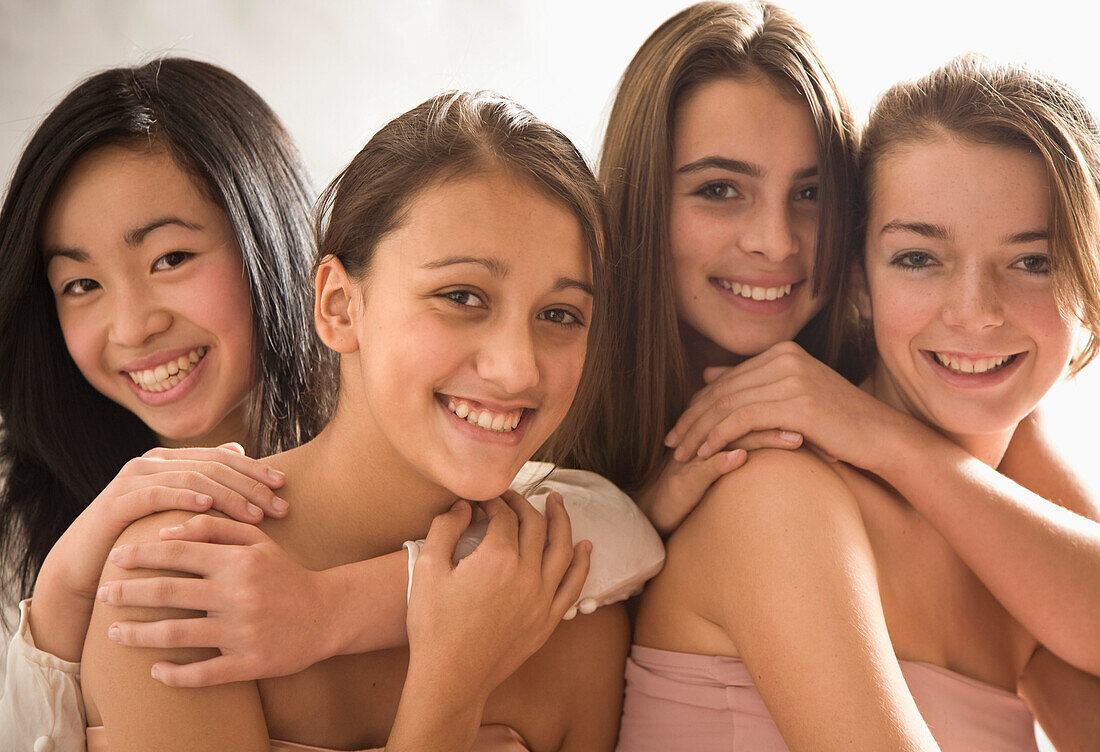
<point>972,371</point>
<point>485,421</point>
<point>170,380</point>
<point>759,299</point>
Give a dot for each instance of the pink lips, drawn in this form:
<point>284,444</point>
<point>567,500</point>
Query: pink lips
<point>974,380</point>
<point>179,391</point>
<point>761,307</point>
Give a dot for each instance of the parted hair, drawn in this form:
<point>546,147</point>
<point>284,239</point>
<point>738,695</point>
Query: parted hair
<point>62,441</point>
<point>703,42</point>
<point>452,135</point>
<point>974,98</point>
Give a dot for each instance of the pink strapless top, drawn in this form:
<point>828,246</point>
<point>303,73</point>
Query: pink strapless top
<point>489,739</point>
<point>706,703</point>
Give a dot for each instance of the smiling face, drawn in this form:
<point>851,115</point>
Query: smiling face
<point>743,213</point>
<point>151,295</point>
<point>471,328</point>
<point>968,331</point>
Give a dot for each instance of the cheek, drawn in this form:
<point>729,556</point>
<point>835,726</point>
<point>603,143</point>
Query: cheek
<point>898,314</point>
<point>83,340</point>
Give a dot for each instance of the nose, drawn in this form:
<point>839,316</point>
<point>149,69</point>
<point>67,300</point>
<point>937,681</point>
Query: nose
<point>507,358</point>
<point>972,301</point>
<point>769,232</point>
<point>135,316</point>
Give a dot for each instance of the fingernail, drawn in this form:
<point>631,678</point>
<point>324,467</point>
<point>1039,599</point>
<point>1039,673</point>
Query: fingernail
<point>155,671</point>
<point>202,501</point>
<point>680,454</point>
<point>279,505</point>
<point>790,436</point>
<point>114,633</point>
<point>101,594</point>
<point>116,553</point>
<point>255,511</point>
<point>670,439</point>
<point>704,450</point>
<point>458,505</point>
<point>276,476</point>
<point>174,530</point>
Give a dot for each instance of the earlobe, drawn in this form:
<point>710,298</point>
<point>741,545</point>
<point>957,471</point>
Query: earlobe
<point>332,309</point>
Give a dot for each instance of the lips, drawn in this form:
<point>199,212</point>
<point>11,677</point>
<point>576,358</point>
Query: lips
<point>164,376</point>
<point>754,292</point>
<point>973,364</point>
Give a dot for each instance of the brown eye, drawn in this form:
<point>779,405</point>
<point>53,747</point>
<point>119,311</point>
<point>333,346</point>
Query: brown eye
<point>561,317</point>
<point>1035,264</point>
<point>464,298</point>
<point>719,191</point>
<point>170,260</point>
<point>79,287</point>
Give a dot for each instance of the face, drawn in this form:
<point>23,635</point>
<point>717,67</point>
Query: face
<point>743,213</point>
<point>473,329</point>
<point>150,292</point>
<point>957,262</point>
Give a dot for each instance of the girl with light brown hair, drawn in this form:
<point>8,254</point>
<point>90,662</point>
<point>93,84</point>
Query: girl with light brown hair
<point>768,575</point>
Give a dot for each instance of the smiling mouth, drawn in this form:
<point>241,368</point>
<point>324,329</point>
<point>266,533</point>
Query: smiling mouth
<point>484,418</point>
<point>755,293</point>
<point>169,374</point>
<point>963,365</point>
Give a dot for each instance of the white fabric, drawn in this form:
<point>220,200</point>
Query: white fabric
<point>41,707</point>
<point>626,550</point>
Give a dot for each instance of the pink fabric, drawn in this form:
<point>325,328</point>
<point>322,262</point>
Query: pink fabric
<point>489,739</point>
<point>706,703</point>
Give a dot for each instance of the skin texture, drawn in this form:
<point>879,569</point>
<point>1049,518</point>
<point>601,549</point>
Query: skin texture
<point>470,317</point>
<point>144,267</point>
<point>977,289</point>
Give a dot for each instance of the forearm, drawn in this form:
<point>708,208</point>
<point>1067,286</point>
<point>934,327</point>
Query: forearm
<point>372,609</point>
<point>1065,701</point>
<point>1040,560</point>
<point>59,621</point>
<point>433,716</point>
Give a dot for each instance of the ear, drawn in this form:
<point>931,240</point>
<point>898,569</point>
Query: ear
<point>861,293</point>
<point>335,298</point>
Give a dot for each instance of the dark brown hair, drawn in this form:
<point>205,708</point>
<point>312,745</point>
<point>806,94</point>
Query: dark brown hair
<point>454,134</point>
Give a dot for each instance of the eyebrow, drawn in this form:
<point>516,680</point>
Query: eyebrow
<point>740,167</point>
<point>1030,236</point>
<point>499,270</point>
<point>924,229</point>
<point>137,235</point>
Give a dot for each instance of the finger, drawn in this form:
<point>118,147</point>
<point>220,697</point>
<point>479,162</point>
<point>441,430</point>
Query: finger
<point>443,535</point>
<point>233,494</point>
<point>166,633</point>
<point>149,499</point>
<point>532,526</point>
<point>159,592</point>
<point>573,581</point>
<point>503,528</point>
<point>172,555</point>
<point>713,373</point>
<point>559,548</point>
<point>222,669</point>
<point>206,528</point>
<point>231,455</point>
<point>757,415</point>
<point>771,439</point>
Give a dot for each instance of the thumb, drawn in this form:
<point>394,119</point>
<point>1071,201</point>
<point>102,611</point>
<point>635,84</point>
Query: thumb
<point>444,533</point>
<point>232,446</point>
<point>713,373</point>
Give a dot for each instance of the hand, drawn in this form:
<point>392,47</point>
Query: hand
<point>195,479</point>
<point>786,389</point>
<point>475,622</point>
<point>681,485</point>
<point>262,607</point>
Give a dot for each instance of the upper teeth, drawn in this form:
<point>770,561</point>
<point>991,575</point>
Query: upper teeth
<point>756,293</point>
<point>168,374</point>
<point>963,364</point>
<point>483,418</point>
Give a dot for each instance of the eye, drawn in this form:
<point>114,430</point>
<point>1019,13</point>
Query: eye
<point>464,298</point>
<point>1036,263</point>
<point>809,193</point>
<point>561,317</point>
<point>719,191</point>
<point>913,260</point>
<point>170,260</point>
<point>78,287</point>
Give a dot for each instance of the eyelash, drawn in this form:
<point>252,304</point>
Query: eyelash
<point>904,260</point>
<point>454,296</point>
<point>707,191</point>
<point>1037,257</point>
<point>811,189</point>
<point>68,288</point>
<point>184,255</point>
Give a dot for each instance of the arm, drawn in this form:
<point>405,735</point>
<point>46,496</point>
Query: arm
<point>1064,700</point>
<point>1040,560</point>
<point>790,577</point>
<point>140,713</point>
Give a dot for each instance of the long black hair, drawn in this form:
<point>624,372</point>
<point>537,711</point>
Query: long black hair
<point>61,442</point>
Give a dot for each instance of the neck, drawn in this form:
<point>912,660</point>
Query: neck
<point>703,353</point>
<point>356,489</point>
<point>233,427</point>
<point>989,448</point>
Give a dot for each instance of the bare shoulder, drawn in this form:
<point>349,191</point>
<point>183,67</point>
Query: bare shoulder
<point>568,695</point>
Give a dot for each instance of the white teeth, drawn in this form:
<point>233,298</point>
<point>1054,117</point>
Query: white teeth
<point>756,293</point>
<point>486,419</point>
<point>167,375</point>
<point>962,364</point>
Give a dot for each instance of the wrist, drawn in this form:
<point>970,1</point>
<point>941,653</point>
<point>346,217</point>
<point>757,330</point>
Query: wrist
<point>332,586</point>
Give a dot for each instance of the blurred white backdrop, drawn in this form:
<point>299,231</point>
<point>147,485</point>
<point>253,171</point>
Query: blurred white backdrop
<point>335,71</point>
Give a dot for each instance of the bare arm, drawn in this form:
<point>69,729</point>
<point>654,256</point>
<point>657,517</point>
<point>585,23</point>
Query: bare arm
<point>791,579</point>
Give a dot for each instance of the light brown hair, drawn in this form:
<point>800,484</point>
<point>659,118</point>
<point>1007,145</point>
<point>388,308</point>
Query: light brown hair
<point>704,42</point>
<point>455,134</point>
<point>976,99</point>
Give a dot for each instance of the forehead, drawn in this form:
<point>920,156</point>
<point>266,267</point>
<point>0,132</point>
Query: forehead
<point>113,189</point>
<point>494,214</point>
<point>745,118</point>
<point>965,185</point>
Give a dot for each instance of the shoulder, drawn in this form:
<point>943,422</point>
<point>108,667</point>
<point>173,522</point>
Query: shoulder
<point>569,694</point>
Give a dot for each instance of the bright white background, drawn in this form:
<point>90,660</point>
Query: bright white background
<point>335,71</point>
